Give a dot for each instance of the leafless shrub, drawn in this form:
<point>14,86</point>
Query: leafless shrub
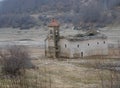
<point>15,60</point>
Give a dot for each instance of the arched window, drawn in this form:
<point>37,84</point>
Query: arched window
<point>51,32</point>
<point>104,42</point>
<point>78,46</point>
<point>88,44</point>
<point>97,42</point>
<point>65,46</point>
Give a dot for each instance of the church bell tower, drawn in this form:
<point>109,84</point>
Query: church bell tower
<point>53,39</point>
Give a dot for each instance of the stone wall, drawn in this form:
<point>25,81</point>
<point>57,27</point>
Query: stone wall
<point>84,48</point>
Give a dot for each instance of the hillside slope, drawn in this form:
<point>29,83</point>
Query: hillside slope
<point>20,13</point>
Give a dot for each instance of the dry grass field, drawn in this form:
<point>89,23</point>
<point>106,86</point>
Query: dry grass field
<point>74,73</point>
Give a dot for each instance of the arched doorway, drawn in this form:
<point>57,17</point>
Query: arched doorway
<point>82,54</point>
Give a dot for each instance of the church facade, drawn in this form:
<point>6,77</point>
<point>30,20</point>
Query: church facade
<point>74,46</point>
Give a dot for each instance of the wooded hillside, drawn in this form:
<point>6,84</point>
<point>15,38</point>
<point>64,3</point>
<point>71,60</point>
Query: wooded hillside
<point>78,12</point>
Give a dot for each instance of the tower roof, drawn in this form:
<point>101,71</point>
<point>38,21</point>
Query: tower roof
<point>53,23</point>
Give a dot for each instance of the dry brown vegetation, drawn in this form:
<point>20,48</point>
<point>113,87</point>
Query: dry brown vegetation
<point>64,74</point>
<point>14,60</point>
<point>92,72</point>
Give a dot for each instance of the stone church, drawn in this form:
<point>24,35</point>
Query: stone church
<point>74,46</point>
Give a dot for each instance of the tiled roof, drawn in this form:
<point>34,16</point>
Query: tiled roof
<point>53,23</point>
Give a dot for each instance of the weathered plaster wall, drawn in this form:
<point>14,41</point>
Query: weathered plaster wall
<point>87,48</point>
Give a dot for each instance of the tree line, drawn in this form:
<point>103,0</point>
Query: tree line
<point>13,12</point>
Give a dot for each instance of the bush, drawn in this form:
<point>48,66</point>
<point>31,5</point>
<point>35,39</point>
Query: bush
<point>15,60</point>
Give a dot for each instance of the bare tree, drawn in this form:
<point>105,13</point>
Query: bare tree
<point>15,60</point>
